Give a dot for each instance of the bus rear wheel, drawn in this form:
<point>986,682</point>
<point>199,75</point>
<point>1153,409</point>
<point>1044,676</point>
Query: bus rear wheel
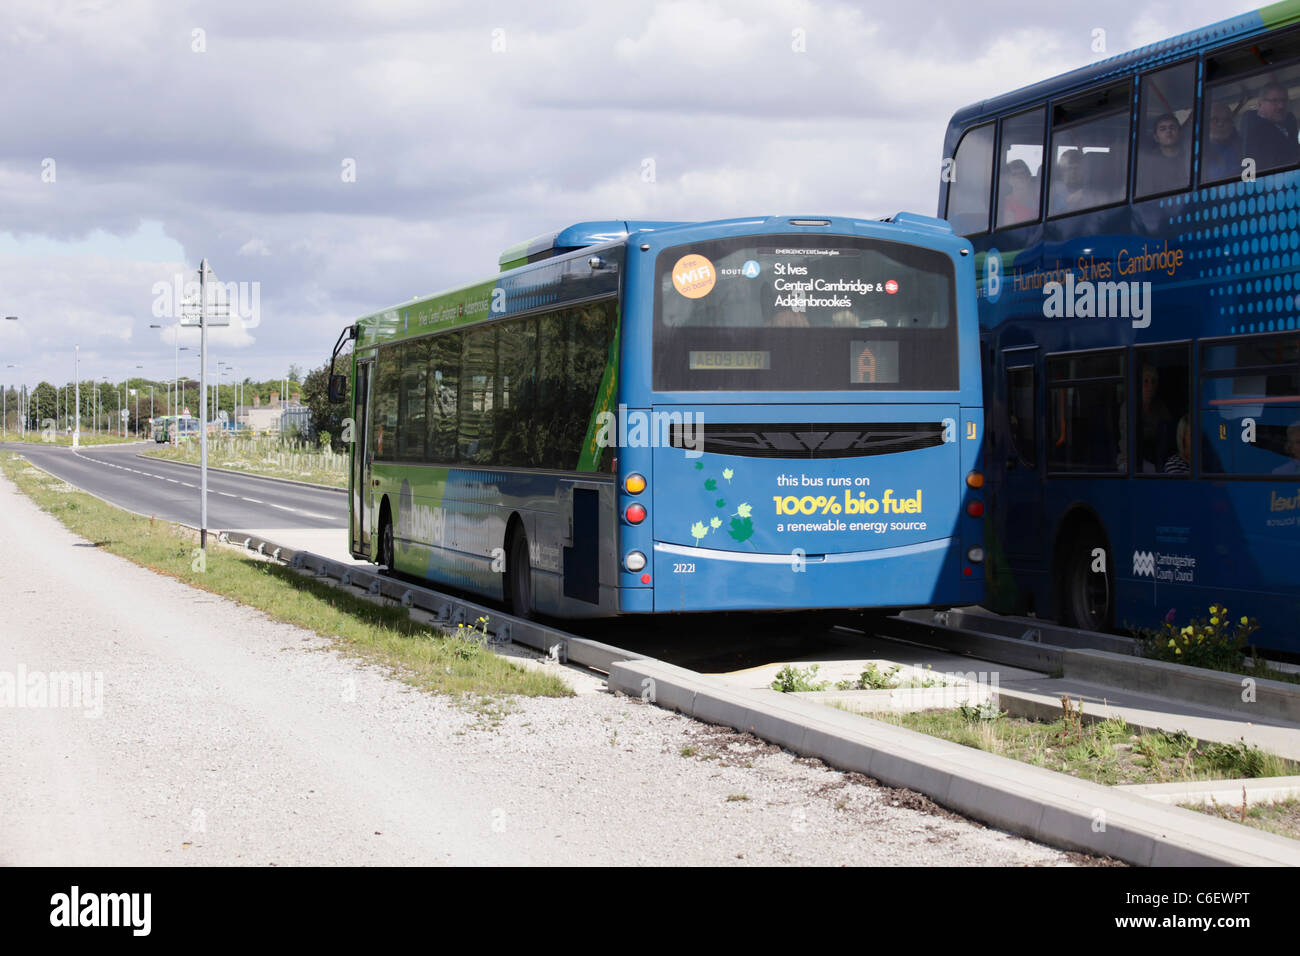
<point>386,542</point>
<point>1087,597</point>
<point>519,577</point>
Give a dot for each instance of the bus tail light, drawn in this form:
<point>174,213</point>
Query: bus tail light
<point>635,514</point>
<point>634,484</point>
<point>634,561</point>
<point>975,555</point>
<point>975,479</point>
<point>975,509</point>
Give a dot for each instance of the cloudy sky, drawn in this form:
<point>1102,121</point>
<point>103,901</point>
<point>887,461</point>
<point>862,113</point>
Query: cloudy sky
<point>347,156</point>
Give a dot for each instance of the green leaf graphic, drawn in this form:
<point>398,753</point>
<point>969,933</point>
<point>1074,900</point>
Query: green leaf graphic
<point>699,466</point>
<point>742,529</point>
<point>711,484</point>
<point>721,503</point>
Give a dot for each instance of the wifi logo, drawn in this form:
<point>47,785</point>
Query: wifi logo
<point>1144,564</point>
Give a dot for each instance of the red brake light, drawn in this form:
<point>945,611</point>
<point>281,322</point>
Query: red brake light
<point>635,514</point>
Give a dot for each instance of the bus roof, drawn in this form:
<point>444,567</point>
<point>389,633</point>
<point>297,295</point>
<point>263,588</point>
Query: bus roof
<point>1268,18</point>
<point>551,269</point>
<point>578,236</point>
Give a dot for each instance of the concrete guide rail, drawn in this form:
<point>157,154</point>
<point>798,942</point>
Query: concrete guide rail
<point>447,610</point>
<point>1250,697</point>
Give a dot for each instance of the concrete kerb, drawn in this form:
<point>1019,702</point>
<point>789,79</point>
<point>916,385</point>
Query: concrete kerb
<point>1223,792</point>
<point>1040,804</point>
<point>1271,698</point>
<point>1004,650</point>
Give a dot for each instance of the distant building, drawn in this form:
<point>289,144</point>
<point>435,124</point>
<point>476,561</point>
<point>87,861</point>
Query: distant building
<point>276,416</point>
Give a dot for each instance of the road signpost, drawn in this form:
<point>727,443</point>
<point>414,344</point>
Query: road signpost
<point>204,313</point>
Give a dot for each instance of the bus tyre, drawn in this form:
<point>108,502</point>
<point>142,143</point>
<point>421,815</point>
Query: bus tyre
<point>519,577</point>
<point>386,542</point>
<point>1086,592</point>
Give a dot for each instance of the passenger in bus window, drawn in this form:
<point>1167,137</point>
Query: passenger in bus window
<point>1154,419</point>
<point>1180,463</point>
<point>1068,191</point>
<point>1269,134</point>
<point>1292,447</point>
<point>1162,165</point>
<point>1222,145</point>
<point>1020,196</point>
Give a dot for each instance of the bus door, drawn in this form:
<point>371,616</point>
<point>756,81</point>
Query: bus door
<point>362,490</point>
<point>582,549</point>
<point>1022,487</point>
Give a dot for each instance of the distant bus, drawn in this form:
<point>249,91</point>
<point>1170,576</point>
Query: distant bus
<point>637,417</point>
<point>1137,254</point>
<point>166,428</point>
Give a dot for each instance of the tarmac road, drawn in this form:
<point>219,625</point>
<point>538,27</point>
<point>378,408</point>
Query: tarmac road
<point>170,491</point>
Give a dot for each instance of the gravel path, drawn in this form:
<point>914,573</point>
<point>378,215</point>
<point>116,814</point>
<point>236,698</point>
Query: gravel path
<point>226,738</point>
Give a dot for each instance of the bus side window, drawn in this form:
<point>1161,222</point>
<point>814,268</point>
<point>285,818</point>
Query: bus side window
<point>1250,407</point>
<point>411,405</point>
<point>477,396</point>
<point>1020,180</point>
<point>1164,402</point>
<point>443,397</point>
<point>1085,410</point>
<point>971,182</point>
<point>516,430</point>
<point>1251,97</point>
<point>1020,410</point>
<point>383,434</point>
<point>1164,159</point>
<point>1090,150</point>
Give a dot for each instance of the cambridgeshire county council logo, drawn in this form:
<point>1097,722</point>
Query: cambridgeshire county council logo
<point>1144,564</point>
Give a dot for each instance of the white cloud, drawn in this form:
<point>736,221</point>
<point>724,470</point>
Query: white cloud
<point>460,151</point>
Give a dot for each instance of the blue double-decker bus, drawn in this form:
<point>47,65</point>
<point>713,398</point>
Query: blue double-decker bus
<point>1138,279</point>
<point>637,417</point>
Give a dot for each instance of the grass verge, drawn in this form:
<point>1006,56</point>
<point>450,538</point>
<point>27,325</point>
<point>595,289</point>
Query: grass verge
<point>1282,818</point>
<point>425,658</point>
<point>1108,751</point>
<point>263,456</point>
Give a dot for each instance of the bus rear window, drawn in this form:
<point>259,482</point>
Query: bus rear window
<point>806,313</point>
